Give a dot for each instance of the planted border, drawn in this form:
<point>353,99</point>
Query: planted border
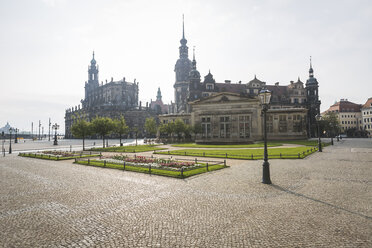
<point>176,173</point>
<point>57,158</point>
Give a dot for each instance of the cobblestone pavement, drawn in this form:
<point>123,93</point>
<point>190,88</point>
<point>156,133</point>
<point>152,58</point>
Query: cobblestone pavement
<point>322,201</point>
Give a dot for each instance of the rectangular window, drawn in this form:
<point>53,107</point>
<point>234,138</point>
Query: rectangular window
<point>269,123</point>
<point>225,127</point>
<point>206,127</point>
<point>282,123</point>
<point>244,127</point>
<point>297,123</point>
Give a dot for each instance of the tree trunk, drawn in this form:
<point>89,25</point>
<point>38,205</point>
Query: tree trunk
<point>103,141</point>
<point>83,143</point>
<point>121,144</point>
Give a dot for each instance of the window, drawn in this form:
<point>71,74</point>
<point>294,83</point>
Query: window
<point>209,86</point>
<point>297,123</point>
<point>224,127</point>
<point>269,123</point>
<point>244,127</point>
<point>206,127</point>
<point>282,123</point>
<point>342,122</point>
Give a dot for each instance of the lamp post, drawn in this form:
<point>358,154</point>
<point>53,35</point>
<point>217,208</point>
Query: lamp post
<point>15,135</point>
<point>10,140</point>
<point>318,118</point>
<point>55,127</point>
<point>265,96</point>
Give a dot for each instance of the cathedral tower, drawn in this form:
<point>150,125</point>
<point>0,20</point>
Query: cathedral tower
<point>313,103</point>
<point>182,70</point>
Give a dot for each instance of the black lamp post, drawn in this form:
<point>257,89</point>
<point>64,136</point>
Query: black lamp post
<point>15,135</point>
<point>55,127</point>
<point>10,140</point>
<point>265,96</point>
<point>318,118</point>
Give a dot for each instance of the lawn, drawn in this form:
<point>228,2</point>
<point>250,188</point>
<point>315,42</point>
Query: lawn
<point>155,171</point>
<point>284,153</point>
<point>256,145</point>
<point>130,149</point>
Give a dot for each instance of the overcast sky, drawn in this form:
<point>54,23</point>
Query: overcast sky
<point>46,47</point>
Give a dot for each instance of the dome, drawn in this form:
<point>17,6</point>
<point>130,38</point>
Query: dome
<point>194,73</point>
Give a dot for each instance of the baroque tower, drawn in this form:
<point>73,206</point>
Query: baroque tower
<point>182,70</point>
<point>312,100</point>
<point>92,82</point>
<point>194,90</point>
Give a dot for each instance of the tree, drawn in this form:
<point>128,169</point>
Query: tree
<point>197,129</point>
<point>103,126</point>
<point>81,129</point>
<point>179,128</point>
<point>150,126</point>
<point>331,124</point>
<point>121,127</point>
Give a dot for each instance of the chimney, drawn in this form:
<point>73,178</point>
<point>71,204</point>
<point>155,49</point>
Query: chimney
<point>277,83</point>
<point>227,81</point>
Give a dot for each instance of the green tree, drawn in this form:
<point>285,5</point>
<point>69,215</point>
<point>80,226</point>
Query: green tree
<point>331,124</point>
<point>179,128</point>
<point>121,127</point>
<point>150,126</point>
<point>81,129</point>
<point>197,129</point>
<point>103,126</point>
<point>163,130</point>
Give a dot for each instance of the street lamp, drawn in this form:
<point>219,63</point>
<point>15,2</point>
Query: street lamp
<point>318,118</point>
<point>10,139</point>
<point>15,135</point>
<point>55,127</point>
<point>265,96</point>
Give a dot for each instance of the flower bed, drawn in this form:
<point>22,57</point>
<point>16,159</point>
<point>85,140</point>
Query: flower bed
<point>158,166</point>
<point>58,155</point>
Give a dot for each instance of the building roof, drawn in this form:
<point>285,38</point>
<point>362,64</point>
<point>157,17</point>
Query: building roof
<point>278,90</point>
<point>233,88</point>
<point>368,103</point>
<point>345,106</point>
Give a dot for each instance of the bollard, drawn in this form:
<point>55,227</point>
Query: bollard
<point>182,172</point>
<point>207,167</point>
<point>224,162</point>
<point>280,155</point>
<point>185,153</point>
<point>104,163</point>
<point>150,168</point>
<point>252,156</point>
<point>226,155</point>
<point>299,155</point>
<point>88,161</point>
<point>124,165</point>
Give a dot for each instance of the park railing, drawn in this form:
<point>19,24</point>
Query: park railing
<point>201,166</point>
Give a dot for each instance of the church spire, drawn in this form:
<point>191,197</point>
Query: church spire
<point>158,96</point>
<point>311,71</point>
<point>183,26</point>
<point>193,60</point>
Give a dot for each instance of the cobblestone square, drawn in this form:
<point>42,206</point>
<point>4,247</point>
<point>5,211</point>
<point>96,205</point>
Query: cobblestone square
<point>324,200</point>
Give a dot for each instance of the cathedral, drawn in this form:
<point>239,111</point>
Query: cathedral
<point>231,112</point>
<point>110,99</point>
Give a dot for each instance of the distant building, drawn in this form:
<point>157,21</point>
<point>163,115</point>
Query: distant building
<point>348,114</point>
<point>193,98</point>
<point>158,106</point>
<point>110,99</point>
<point>366,112</point>
<point>5,128</point>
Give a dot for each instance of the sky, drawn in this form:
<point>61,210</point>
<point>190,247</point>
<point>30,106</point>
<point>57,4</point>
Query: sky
<point>46,47</point>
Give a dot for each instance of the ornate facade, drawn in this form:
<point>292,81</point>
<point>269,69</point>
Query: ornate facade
<point>297,103</point>
<point>112,99</point>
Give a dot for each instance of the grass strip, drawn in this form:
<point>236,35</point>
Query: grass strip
<point>129,149</point>
<point>283,153</point>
